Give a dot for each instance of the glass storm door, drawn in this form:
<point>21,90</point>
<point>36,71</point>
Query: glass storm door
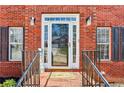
<point>60,41</point>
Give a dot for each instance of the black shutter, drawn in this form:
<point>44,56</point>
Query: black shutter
<point>122,43</point>
<point>0,44</point>
<point>4,43</point>
<point>115,43</point>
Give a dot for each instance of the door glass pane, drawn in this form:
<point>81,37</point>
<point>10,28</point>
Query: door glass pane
<point>74,43</point>
<point>45,43</point>
<point>60,44</point>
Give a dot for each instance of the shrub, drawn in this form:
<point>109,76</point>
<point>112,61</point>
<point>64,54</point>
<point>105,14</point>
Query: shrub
<point>9,83</point>
<point>1,85</point>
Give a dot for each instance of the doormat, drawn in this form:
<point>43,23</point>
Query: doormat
<point>69,75</point>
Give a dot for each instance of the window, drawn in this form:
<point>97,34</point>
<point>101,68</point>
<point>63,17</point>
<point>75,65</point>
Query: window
<point>103,42</point>
<point>45,43</point>
<point>74,43</point>
<point>60,19</point>
<point>15,43</point>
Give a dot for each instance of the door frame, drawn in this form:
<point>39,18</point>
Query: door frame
<point>71,65</point>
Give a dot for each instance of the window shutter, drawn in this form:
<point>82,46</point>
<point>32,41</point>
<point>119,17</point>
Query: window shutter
<point>0,44</point>
<point>3,43</point>
<point>115,43</point>
<point>122,43</point>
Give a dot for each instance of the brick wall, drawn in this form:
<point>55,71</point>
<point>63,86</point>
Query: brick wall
<point>113,69</point>
<point>10,69</point>
<point>109,16</point>
<point>11,16</point>
<point>102,16</point>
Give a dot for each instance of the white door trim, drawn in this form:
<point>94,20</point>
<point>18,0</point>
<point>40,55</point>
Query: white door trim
<point>71,65</point>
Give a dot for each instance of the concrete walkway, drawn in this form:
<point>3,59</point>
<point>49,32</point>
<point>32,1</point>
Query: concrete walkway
<point>61,79</point>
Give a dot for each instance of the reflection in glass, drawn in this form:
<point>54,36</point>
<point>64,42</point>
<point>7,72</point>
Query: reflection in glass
<point>15,43</point>
<point>15,52</point>
<point>60,44</point>
<point>74,43</point>
<point>104,51</point>
<point>102,36</point>
<point>60,18</point>
<point>16,35</point>
<point>45,43</point>
<point>103,42</point>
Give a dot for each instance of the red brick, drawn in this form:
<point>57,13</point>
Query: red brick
<point>102,16</point>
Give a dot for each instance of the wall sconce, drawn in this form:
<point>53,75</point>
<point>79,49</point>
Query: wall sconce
<point>88,20</point>
<point>32,21</point>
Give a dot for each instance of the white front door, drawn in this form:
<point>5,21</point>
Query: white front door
<point>60,41</point>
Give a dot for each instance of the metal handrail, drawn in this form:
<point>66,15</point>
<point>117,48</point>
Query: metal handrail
<point>26,71</point>
<point>97,71</point>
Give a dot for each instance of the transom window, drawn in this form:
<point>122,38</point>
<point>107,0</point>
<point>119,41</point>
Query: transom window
<point>15,43</point>
<point>103,42</point>
<point>60,19</point>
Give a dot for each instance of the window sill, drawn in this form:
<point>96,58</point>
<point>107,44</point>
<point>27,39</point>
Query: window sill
<point>105,61</point>
<point>15,60</point>
<point>10,62</point>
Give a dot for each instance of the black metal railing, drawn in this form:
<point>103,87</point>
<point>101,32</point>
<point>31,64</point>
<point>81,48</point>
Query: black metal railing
<point>30,70</point>
<point>91,75</point>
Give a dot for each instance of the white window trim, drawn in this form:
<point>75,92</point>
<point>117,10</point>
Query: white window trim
<point>109,43</point>
<point>14,43</point>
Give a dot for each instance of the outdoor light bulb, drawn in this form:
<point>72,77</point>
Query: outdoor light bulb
<point>88,21</point>
<point>32,21</point>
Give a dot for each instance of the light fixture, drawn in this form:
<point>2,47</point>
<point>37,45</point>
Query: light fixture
<point>88,20</point>
<point>32,21</point>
